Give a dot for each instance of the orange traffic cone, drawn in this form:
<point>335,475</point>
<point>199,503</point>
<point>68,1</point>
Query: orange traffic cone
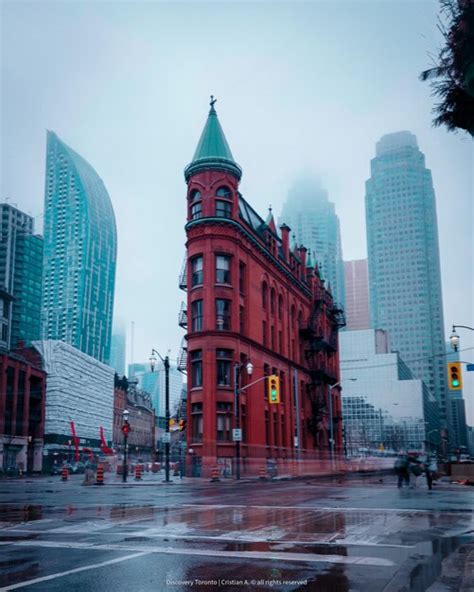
<point>64,473</point>
<point>262,474</point>
<point>214,474</point>
<point>99,479</point>
<point>138,472</point>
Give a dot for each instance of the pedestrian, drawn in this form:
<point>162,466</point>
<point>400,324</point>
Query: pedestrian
<point>414,470</point>
<point>431,469</point>
<point>401,470</point>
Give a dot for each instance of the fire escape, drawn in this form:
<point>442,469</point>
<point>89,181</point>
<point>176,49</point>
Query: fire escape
<point>319,346</point>
<point>183,318</point>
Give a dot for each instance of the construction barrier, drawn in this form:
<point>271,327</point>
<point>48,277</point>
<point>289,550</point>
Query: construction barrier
<point>262,473</point>
<point>99,478</point>
<point>214,474</point>
<point>64,473</point>
<point>138,472</point>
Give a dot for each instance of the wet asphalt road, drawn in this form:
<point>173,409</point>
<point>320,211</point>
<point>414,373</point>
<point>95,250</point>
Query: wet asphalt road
<point>320,535</point>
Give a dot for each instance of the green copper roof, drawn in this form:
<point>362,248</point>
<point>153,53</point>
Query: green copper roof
<point>212,151</point>
<point>309,260</point>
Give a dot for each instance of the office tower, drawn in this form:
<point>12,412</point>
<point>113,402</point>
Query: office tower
<point>384,406</point>
<point>21,264</point>
<point>356,281</point>
<point>315,224</point>
<point>118,348</point>
<point>80,245</point>
<point>403,254</point>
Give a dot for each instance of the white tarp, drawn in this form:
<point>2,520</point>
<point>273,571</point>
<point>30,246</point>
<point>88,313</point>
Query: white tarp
<point>78,388</point>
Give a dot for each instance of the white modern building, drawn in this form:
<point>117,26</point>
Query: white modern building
<point>118,347</point>
<point>383,405</point>
<point>79,389</point>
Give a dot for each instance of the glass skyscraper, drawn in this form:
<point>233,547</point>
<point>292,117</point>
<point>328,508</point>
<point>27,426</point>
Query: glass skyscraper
<point>21,263</point>
<point>315,224</point>
<point>403,254</point>
<point>80,247</point>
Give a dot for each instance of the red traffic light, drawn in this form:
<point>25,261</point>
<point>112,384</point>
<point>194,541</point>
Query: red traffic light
<point>126,428</point>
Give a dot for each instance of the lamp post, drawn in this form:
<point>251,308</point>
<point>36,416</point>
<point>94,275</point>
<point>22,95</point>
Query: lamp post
<point>237,437</point>
<point>166,364</point>
<point>331,419</point>
<point>125,431</point>
<point>454,339</point>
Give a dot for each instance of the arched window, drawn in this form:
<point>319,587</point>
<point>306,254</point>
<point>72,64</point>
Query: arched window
<point>223,203</point>
<point>280,307</point>
<point>264,295</point>
<point>194,195</point>
<point>224,192</point>
<point>272,300</point>
<point>195,204</point>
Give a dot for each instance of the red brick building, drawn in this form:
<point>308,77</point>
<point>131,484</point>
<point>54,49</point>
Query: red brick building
<point>22,404</point>
<point>252,297</point>
<point>141,440</point>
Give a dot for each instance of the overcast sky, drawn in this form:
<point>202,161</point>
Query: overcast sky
<point>302,88</point>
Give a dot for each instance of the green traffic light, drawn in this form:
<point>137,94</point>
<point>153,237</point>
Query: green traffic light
<point>455,382</point>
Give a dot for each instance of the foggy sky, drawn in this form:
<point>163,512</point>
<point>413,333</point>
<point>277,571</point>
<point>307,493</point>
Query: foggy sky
<point>302,88</point>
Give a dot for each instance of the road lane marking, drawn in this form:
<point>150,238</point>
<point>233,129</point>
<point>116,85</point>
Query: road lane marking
<point>62,574</point>
<point>300,557</point>
<point>334,509</point>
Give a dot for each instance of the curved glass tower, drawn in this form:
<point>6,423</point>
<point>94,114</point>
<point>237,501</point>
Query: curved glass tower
<point>80,249</point>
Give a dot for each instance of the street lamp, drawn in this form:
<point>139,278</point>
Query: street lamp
<point>237,436</point>
<point>125,431</point>
<point>454,339</point>
<point>331,420</point>
<point>167,439</point>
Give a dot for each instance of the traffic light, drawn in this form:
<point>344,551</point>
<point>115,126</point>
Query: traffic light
<point>454,376</point>
<point>182,424</point>
<point>172,422</point>
<point>126,428</point>
<point>273,389</point>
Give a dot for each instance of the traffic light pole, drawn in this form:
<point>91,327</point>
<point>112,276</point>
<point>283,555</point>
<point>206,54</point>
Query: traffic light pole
<point>331,427</point>
<point>237,418</point>
<point>166,364</point>
<point>167,415</point>
<point>125,467</point>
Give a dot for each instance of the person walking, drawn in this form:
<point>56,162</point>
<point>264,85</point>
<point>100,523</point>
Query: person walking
<point>401,470</point>
<point>414,470</point>
<point>431,468</point>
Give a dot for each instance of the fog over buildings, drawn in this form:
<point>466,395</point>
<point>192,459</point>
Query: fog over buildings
<point>129,93</point>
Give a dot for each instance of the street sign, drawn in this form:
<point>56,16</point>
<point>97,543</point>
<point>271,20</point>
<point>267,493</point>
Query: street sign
<point>470,367</point>
<point>296,441</point>
<point>166,438</point>
<point>237,435</point>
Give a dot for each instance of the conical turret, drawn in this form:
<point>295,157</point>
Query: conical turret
<point>213,152</point>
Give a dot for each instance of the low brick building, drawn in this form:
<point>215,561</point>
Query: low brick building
<point>22,413</point>
<point>141,439</point>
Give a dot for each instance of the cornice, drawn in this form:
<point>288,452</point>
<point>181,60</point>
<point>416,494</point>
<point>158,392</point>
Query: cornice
<point>232,223</point>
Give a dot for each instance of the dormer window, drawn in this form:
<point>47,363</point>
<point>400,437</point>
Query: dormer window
<point>194,195</point>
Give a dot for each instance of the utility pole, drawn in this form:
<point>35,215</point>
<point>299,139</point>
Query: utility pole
<point>167,439</point>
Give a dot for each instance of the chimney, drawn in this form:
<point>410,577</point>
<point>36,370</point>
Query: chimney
<point>302,252</point>
<point>285,239</point>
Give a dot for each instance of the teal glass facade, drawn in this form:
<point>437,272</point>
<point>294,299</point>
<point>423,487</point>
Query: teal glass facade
<point>403,256</point>
<point>21,265</point>
<point>315,224</point>
<point>80,249</point>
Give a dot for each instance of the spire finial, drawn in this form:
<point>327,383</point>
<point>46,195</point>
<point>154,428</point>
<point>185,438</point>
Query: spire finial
<point>270,208</point>
<point>212,102</point>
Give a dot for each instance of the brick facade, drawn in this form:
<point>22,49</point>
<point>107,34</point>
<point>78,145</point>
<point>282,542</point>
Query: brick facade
<point>250,297</point>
